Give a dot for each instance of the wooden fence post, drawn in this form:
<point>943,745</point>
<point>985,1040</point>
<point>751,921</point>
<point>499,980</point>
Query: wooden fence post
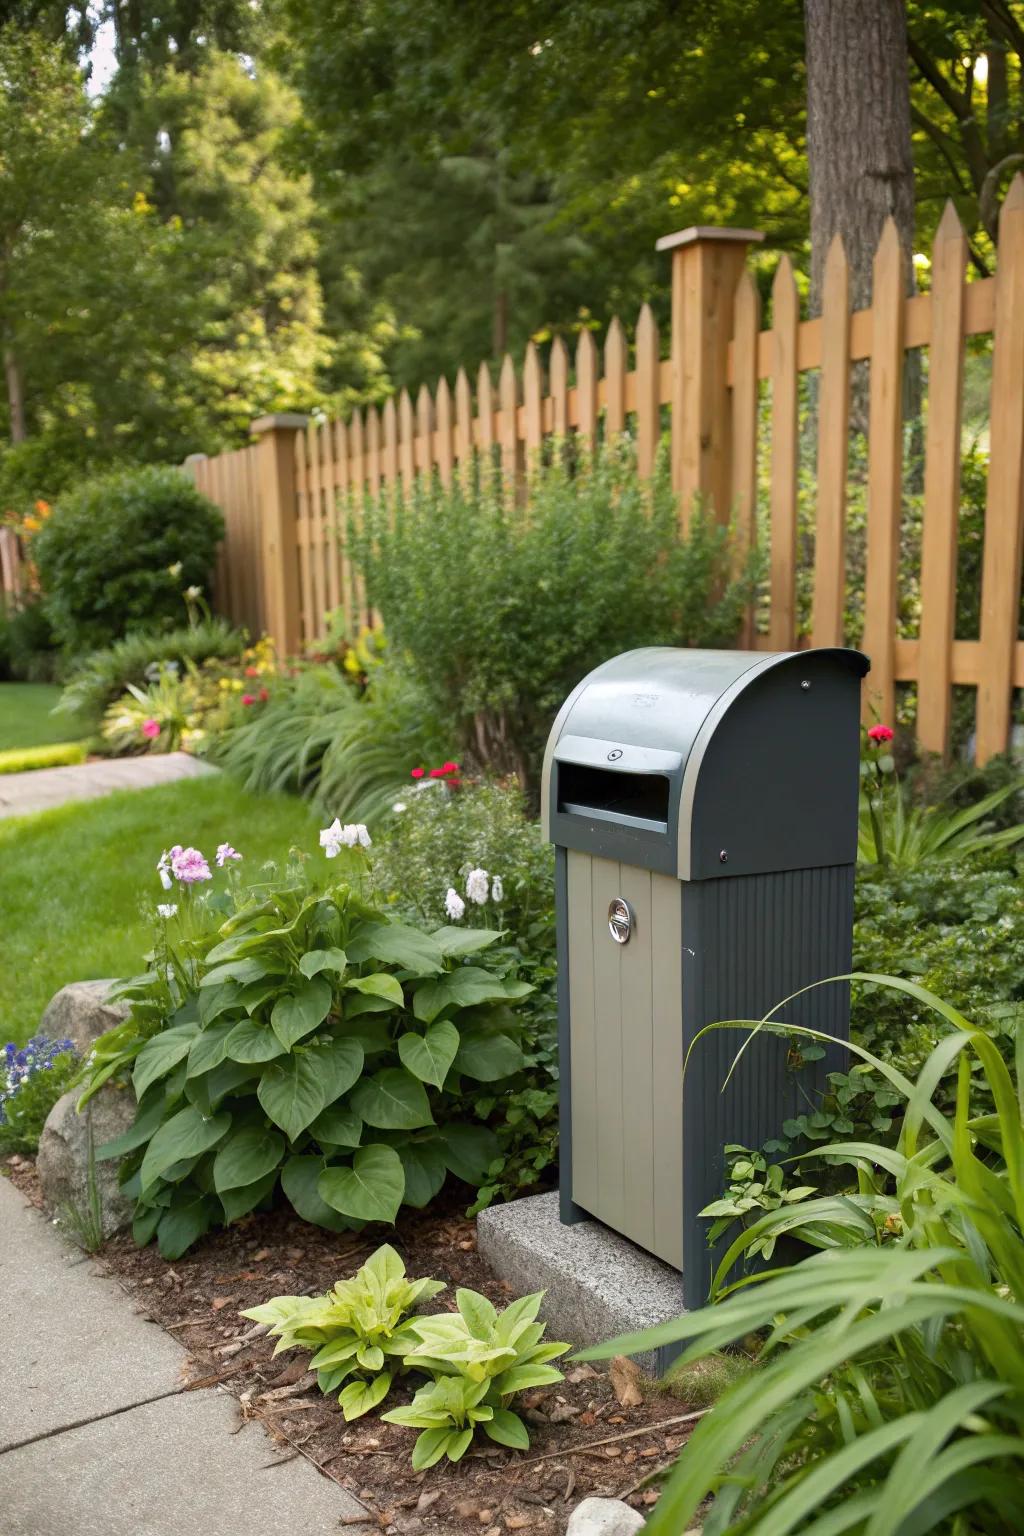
<point>707,264</point>
<point>279,541</point>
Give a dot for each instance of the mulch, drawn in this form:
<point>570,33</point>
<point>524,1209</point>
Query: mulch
<point>589,1434</point>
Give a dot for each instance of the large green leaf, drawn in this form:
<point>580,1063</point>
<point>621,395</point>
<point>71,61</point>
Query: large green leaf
<point>239,1202</point>
<point>147,1118</point>
<point>209,1048</point>
<point>455,942</point>
<point>250,1042</point>
<point>206,1092</point>
<point>397,944</point>
<point>160,1054</point>
<point>218,1000</point>
<point>184,1222</point>
<point>185,1134</point>
<point>429,1056</point>
<point>299,1014</point>
<point>392,1099</point>
<point>316,960</point>
<point>467,986</point>
<point>245,1156</point>
<point>293,1092</point>
<point>371,1190</point>
<point>469,1151</point>
<point>338,1126</point>
<point>487,1054</point>
<point>339,1062</point>
<point>380,984</point>
<point>242,971</point>
<point>298,1180</point>
<point>425,1171</point>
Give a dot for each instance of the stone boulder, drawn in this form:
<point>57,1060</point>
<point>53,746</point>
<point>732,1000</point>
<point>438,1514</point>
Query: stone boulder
<point>604,1517</point>
<point>63,1160</point>
<point>79,1013</point>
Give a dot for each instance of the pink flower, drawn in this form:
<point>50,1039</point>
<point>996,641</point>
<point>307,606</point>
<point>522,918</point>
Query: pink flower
<point>437,773</point>
<point>225,852</point>
<point>252,671</point>
<point>880,733</point>
<point>248,698</point>
<point>417,773</point>
<point>188,865</point>
<point>449,767</point>
<point>151,729</point>
<point>263,695</point>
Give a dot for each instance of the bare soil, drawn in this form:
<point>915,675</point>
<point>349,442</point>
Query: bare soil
<point>589,1434</point>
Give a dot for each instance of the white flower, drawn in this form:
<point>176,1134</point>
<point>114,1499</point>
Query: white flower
<point>331,839</point>
<point>361,833</point>
<point>398,807</point>
<point>476,886</point>
<point>454,904</point>
<point>497,889</point>
<point>167,910</point>
<point>163,869</point>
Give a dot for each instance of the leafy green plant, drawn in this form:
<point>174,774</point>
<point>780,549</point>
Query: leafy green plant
<point>533,602</point>
<point>899,835</point>
<point>479,1358</point>
<point>891,1392</point>
<point>298,1032</point>
<point>28,650</point>
<point>85,1222</point>
<point>58,754</point>
<point>349,749</point>
<point>99,678</point>
<point>117,552</point>
<point>32,1078</point>
<point>360,1332</point>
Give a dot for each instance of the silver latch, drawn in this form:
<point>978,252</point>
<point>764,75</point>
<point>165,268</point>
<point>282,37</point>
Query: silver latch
<point>620,920</point>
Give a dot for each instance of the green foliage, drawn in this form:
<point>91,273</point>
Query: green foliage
<point>117,552</point>
<point>479,1358</point>
<point>899,835</point>
<point>58,754</point>
<point>891,1393</point>
<point>100,677</point>
<point>28,649</point>
<point>533,603</point>
<point>300,1031</point>
<point>360,1332</point>
<point>26,1097</point>
<point>349,751</point>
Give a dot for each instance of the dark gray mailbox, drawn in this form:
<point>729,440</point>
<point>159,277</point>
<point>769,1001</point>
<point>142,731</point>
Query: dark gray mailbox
<point>704,809</point>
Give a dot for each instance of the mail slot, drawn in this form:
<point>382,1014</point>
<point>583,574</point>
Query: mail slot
<point>703,806</point>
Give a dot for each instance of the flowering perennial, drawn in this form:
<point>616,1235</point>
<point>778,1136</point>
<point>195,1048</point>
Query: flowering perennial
<point>187,865</point>
<point>335,837</point>
<point>454,904</point>
<point>167,910</point>
<point>478,886</point>
<point>226,852</point>
<point>18,1067</point>
<point>878,734</point>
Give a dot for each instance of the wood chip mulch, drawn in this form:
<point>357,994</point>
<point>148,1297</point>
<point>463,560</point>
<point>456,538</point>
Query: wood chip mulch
<point>590,1435</point>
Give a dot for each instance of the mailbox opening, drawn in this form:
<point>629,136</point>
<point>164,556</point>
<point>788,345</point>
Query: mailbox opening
<point>607,795</point>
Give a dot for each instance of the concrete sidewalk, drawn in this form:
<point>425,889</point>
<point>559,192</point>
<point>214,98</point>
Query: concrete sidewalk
<point>97,1437</point>
<point>42,789</point>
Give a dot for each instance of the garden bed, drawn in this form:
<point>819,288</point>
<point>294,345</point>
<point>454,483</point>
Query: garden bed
<point>584,1440</point>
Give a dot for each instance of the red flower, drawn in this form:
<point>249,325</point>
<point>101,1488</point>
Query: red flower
<point>437,773</point>
<point>263,695</point>
<point>417,773</point>
<point>450,768</point>
<point>252,671</point>
<point>880,733</point>
<point>247,699</point>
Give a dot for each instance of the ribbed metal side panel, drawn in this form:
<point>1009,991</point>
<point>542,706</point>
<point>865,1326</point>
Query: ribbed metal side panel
<point>748,943</point>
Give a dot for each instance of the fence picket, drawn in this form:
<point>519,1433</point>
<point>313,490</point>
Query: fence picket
<point>558,368</point>
<point>586,388</point>
<point>406,441</point>
<point>485,436</point>
<point>833,449</point>
<point>615,377</point>
<point>533,391</point>
<point>1004,511</point>
<point>941,486</point>
<point>318,542</point>
<point>357,450</point>
<point>424,431</point>
<point>373,450</point>
<point>330,481</point>
<point>463,423</point>
<point>508,430</point>
<point>746,326</point>
<point>445,448</point>
<point>389,452</point>
<point>303,530</point>
<point>785,321</point>
<point>648,391</point>
<point>885,473</point>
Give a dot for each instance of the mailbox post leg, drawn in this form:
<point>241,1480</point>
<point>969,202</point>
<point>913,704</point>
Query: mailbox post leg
<point>569,1212</point>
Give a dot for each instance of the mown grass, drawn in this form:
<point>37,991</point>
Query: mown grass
<point>78,885</point>
<point>25,718</point>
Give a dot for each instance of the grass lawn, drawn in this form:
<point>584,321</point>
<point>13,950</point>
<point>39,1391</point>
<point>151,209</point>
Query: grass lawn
<point>25,719</point>
<point>78,885</point>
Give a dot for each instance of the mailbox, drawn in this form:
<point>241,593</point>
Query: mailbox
<point>703,805</point>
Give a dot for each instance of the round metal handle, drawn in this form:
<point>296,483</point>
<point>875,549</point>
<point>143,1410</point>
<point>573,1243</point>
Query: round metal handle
<point>620,920</point>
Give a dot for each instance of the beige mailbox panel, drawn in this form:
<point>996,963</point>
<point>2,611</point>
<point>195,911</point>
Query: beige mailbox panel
<point>625,1010</point>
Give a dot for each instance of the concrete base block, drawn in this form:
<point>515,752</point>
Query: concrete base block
<point>598,1284</point>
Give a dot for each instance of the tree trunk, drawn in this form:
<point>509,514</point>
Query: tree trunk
<point>858,134</point>
<point>15,396</point>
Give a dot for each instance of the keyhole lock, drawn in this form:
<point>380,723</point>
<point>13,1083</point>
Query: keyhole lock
<point>620,920</point>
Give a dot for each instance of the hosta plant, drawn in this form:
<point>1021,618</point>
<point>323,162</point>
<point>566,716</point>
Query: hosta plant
<point>294,1035</point>
<point>359,1332</point>
<point>890,1401</point>
<point>479,1358</point>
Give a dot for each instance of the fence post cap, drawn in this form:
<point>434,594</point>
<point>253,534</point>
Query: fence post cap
<point>282,420</point>
<point>697,232</point>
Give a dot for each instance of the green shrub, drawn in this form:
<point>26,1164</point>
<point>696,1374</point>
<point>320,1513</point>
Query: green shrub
<point>58,754</point>
<point>890,1397</point>
<point>28,648</point>
<point>348,748</point>
<point>116,554</point>
<point>298,1032</point>
<point>501,610</point>
<point>101,677</point>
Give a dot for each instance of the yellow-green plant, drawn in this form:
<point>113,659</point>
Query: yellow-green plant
<point>360,1331</point>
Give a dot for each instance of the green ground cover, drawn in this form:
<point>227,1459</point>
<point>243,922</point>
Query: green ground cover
<point>78,886</point>
<point>25,718</point>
